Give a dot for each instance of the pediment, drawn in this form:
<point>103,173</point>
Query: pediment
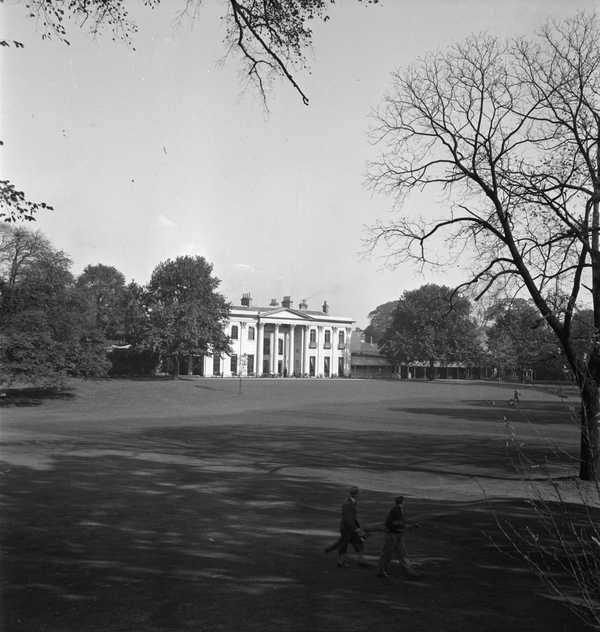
<point>285,314</point>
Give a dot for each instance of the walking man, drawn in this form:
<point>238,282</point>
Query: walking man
<point>393,546</point>
<point>350,531</point>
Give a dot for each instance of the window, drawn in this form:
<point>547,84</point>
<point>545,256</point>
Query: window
<point>250,333</point>
<point>234,364</point>
<point>311,366</point>
<point>312,340</point>
<point>327,343</point>
<point>234,332</point>
<point>250,364</point>
<point>341,367</point>
<point>326,361</point>
<point>280,346</point>
<point>267,346</point>
<point>341,339</point>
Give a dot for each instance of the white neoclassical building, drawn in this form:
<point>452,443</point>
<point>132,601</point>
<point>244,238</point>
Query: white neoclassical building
<point>284,341</point>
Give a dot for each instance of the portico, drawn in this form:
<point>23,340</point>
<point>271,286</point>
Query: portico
<point>279,340</point>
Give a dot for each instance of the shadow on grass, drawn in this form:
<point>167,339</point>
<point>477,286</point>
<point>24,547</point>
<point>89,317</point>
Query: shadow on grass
<point>33,396</point>
<point>112,543</point>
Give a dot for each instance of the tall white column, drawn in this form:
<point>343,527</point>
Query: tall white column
<point>286,353</point>
<point>347,353</point>
<point>333,370</point>
<point>292,352</point>
<point>306,333</point>
<point>319,361</point>
<point>225,365</point>
<point>275,350</point>
<point>260,336</point>
<point>242,337</point>
<point>208,365</point>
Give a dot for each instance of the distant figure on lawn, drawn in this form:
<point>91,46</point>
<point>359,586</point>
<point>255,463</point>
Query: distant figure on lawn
<point>350,531</point>
<point>393,546</point>
<point>515,398</point>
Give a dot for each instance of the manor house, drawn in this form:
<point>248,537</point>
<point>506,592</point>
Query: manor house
<point>284,341</point>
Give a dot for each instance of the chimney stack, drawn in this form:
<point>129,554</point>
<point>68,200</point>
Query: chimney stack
<point>286,302</point>
<point>246,299</point>
<point>303,304</point>
<point>325,307</point>
<point>273,303</point>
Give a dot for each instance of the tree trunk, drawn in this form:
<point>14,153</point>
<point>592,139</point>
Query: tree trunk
<point>589,386</point>
<point>589,469</point>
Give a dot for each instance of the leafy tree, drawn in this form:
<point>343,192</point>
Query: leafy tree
<point>139,356</point>
<point>381,318</point>
<point>511,131</point>
<point>15,206</point>
<point>136,317</point>
<point>518,339</point>
<point>41,326</point>
<point>187,315</point>
<point>430,324</point>
<point>271,36</point>
<point>102,289</point>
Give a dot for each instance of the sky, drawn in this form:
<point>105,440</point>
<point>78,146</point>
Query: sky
<point>150,154</point>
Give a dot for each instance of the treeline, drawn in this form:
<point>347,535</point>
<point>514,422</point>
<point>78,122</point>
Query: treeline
<point>53,324</point>
<point>436,326</point>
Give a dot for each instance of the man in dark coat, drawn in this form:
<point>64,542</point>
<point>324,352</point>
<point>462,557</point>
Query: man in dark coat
<point>395,525</point>
<point>350,531</point>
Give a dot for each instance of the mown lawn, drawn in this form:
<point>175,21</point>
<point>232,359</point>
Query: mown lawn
<point>189,505</point>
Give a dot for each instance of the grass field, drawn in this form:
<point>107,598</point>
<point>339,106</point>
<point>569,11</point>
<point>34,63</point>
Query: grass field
<point>188,505</point>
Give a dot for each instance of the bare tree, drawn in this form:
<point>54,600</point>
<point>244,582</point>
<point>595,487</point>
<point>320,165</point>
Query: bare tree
<point>510,131</point>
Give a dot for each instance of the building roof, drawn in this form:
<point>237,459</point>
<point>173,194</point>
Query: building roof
<point>358,359</point>
<point>302,314</point>
<point>360,346</point>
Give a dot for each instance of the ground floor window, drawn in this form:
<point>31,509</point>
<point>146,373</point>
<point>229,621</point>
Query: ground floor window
<point>311,366</point>
<point>216,365</point>
<point>326,361</point>
<point>266,367</point>
<point>250,365</point>
<point>341,367</point>
<point>234,364</point>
